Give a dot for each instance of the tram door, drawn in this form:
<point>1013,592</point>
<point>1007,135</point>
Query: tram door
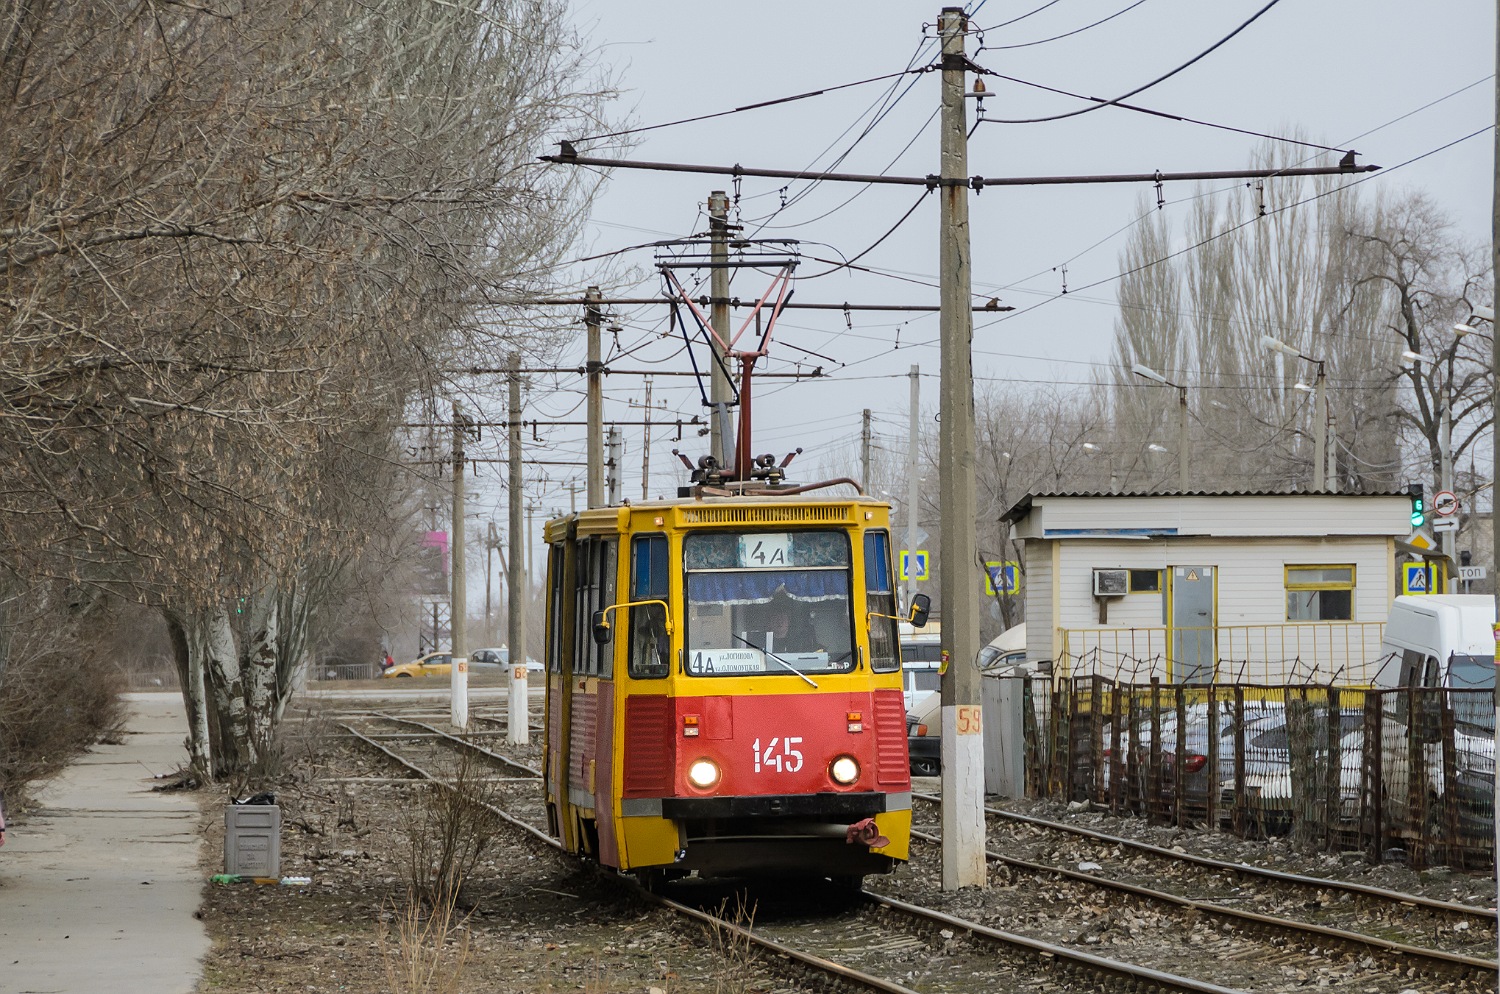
<point>589,735</point>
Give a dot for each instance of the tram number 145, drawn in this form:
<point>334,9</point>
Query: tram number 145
<point>780,755</point>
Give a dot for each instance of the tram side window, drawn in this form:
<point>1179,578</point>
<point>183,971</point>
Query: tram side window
<point>555,610</point>
<point>650,647</point>
<point>880,602</point>
<point>594,591</point>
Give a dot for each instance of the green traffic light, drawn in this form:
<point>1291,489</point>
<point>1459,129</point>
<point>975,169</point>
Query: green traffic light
<point>1418,512</point>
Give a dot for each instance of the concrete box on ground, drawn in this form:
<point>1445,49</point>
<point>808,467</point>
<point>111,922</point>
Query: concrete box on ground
<point>252,840</point>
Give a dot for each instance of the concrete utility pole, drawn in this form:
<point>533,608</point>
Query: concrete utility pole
<point>1320,431</point>
<point>963,740</point>
<point>1331,474</point>
<point>591,321</point>
<point>646,448</point>
<point>1495,405</point>
<point>517,732</point>
<point>458,683</point>
<point>1447,539</point>
<point>864,452</point>
<point>912,490</point>
<point>720,431</point>
<point>615,465</point>
<point>491,544</point>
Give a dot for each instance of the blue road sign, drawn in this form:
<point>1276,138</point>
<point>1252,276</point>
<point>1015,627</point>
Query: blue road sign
<point>921,557</point>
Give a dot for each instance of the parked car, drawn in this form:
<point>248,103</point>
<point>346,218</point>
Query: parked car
<point>1270,796</point>
<point>432,664</point>
<point>924,728</point>
<point>500,657</point>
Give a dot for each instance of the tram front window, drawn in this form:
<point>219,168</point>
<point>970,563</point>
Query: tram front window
<point>768,603</point>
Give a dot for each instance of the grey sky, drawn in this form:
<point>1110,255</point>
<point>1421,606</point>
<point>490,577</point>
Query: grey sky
<point>1332,70</point>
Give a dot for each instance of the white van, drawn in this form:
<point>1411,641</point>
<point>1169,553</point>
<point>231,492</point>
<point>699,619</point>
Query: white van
<point>921,657</point>
<point>1439,640</point>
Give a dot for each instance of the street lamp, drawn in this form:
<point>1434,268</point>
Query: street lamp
<point>1321,449</point>
<point>1182,420</point>
<point>1480,313</point>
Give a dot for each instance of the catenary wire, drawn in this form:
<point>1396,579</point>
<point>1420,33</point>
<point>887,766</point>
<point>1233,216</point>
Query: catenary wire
<point>1065,34</point>
<point>740,110</point>
<point>1145,86</point>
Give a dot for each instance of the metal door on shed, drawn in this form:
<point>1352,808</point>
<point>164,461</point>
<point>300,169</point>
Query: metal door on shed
<point>1191,622</point>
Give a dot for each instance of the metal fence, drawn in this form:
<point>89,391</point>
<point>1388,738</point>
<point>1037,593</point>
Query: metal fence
<point>1398,774</point>
<point>1343,652</point>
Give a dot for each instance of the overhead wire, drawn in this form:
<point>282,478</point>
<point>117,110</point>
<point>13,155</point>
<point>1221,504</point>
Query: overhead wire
<point>740,110</point>
<point>1065,34</point>
<point>1145,86</point>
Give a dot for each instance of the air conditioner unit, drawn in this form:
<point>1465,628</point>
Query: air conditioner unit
<point>1111,582</point>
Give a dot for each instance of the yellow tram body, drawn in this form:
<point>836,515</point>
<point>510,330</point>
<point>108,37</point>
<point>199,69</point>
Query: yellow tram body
<point>724,687</point>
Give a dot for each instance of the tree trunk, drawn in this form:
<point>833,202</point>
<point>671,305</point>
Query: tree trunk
<point>194,697</point>
<point>211,638</point>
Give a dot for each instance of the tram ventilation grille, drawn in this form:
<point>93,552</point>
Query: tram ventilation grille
<point>819,513</point>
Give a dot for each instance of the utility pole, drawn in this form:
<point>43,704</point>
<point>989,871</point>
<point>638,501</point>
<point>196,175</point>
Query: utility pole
<point>720,431</point>
<point>491,543</point>
<point>517,731</point>
<point>864,453</point>
<point>530,542</point>
<point>458,683</point>
<point>1182,440</point>
<point>1331,474</point>
<point>1495,435</point>
<point>646,448</point>
<point>591,320</point>
<point>912,491</point>
<point>1447,539</point>
<point>1320,431</point>
<point>615,465</point>
<point>963,740</point>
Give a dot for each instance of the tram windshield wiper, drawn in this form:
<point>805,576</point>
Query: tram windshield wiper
<point>783,662</point>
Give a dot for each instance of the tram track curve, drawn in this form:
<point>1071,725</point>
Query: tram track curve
<point>1027,952</point>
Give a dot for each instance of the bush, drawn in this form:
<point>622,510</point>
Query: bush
<point>53,706</point>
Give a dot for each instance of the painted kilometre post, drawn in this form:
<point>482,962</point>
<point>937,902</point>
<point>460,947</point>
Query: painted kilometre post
<point>962,740</point>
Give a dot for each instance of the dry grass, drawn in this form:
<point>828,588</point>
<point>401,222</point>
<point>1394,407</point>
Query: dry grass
<point>449,827</point>
<point>423,947</point>
<point>53,706</point>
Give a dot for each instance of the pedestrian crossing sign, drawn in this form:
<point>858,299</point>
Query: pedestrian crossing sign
<point>921,564</point>
<point>1001,578</point>
<point>1416,578</point>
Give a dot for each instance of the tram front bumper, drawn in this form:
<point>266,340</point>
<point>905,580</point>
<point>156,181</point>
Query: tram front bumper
<point>827,805</point>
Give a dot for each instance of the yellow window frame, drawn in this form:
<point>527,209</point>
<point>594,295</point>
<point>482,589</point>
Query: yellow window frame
<point>1286,577</point>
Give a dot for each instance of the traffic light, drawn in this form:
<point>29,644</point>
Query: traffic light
<point>1418,505</point>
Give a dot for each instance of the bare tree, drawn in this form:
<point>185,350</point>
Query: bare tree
<point>239,241</point>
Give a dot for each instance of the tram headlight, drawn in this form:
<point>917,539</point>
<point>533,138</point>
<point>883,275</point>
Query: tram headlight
<point>703,773</point>
<point>844,770</point>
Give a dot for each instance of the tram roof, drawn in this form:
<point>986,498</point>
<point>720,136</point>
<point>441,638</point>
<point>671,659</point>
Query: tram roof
<point>616,517</point>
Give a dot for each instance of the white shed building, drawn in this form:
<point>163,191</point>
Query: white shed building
<point>1240,587</point>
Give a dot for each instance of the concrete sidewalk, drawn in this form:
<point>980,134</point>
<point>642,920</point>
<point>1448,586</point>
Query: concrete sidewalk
<point>98,887</point>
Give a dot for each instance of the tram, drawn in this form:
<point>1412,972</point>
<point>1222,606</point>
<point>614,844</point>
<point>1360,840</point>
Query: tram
<point>724,685</point>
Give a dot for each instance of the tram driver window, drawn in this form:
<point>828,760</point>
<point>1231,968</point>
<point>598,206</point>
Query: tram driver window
<point>767,603</point>
<point>880,601</point>
<point>650,646</point>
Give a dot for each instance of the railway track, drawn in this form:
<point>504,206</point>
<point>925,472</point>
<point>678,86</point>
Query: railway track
<point>1307,934</point>
<point>881,943</point>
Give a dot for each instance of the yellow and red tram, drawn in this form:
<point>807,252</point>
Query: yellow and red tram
<point>724,687</point>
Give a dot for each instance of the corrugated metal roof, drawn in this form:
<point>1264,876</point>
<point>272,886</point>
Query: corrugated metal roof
<point>1023,506</point>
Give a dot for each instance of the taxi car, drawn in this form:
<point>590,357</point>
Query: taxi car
<point>432,664</point>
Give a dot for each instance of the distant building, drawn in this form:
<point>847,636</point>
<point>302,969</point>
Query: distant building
<point>1189,588</point>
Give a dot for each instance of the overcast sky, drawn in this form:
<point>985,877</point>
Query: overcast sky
<point>1341,72</point>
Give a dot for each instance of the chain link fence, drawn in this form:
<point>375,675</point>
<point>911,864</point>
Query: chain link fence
<point>1397,774</point>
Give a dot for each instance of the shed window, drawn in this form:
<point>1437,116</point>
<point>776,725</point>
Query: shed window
<point>1320,593</point>
<point>1145,581</point>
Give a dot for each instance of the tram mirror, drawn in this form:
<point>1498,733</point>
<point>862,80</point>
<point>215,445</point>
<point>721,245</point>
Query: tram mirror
<point>920,605</point>
<point>601,628</point>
